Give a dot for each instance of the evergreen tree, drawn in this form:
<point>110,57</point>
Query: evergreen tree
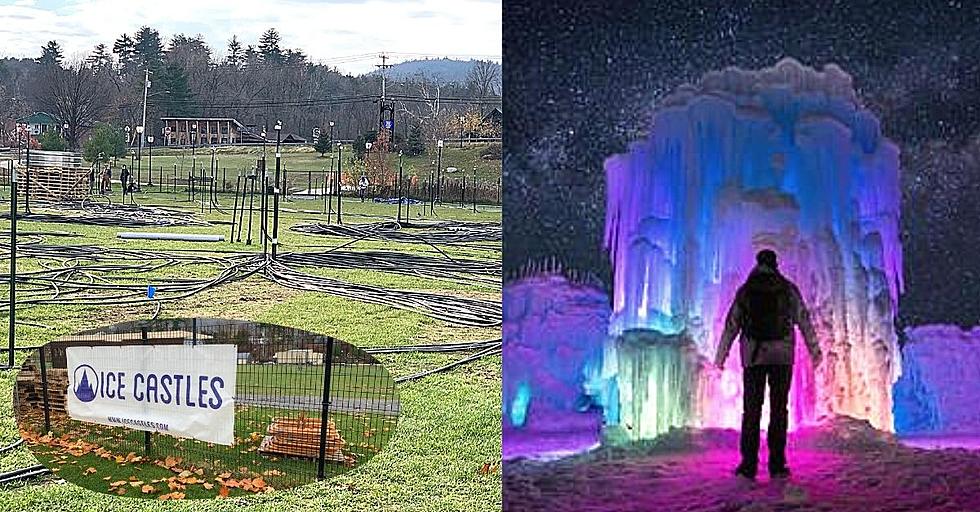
<point>323,144</point>
<point>236,54</point>
<point>51,140</point>
<point>416,142</point>
<point>359,143</point>
<point>50,54</point>
<point>269,47</point>
<point>105,139</point>
<point>100,59</point>
<point>294,58</point>
<point>125,48</point>
<point>180,100</point>
<point>148,49</point>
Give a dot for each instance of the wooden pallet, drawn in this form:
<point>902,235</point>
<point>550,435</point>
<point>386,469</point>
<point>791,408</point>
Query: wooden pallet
<point>30,390</point>
<point>300,437</point>
<point>55,184</point>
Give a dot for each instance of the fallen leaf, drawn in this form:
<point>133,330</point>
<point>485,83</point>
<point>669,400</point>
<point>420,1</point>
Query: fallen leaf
<point>89,471</point>
<point>223,491</point>
<point>208,485</point>
<point>147,489</point>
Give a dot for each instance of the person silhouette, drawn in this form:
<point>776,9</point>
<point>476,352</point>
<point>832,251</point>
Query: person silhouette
<point>764,312</point>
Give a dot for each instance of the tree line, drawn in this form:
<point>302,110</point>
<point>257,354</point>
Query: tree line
<point>257,84</point>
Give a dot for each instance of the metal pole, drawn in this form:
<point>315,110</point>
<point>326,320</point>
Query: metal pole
<point>146,434</point>
<point>340,161</point>
<point>265,216</point>
<point>44,391</point>
<point>241,210</point>
<point>251,208</point>
<point>13,265</point>
<point>139,161</point>
<point>399,187</point>
<point>234,209</point>
<point>439,176</point>
<point>275,199</point>
<point>325,407</point>
<point>27,188</point>
<point>149,174</point>
<point>329,209</point>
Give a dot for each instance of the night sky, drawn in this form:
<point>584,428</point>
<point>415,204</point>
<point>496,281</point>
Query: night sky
<point>581,81</point>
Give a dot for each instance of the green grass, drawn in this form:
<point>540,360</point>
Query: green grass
<point>300,160</point>
<point>243,460</point>
<point>298,380</point>
<point>450,423</point>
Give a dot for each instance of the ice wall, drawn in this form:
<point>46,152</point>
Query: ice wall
<point>937,393</point>
<point>782,158</point>
<point>554,392</point>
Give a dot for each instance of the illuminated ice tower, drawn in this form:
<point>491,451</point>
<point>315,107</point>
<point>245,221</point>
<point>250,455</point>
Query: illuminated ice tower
<point>783,158</point>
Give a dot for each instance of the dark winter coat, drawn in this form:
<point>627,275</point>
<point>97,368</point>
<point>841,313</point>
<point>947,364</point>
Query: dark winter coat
<point>778,352</point>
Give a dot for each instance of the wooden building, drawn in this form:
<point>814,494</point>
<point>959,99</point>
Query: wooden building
<point>40,122</point>
<point>201,131</point>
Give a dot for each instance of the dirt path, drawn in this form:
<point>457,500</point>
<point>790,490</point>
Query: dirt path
<point>845,467</point>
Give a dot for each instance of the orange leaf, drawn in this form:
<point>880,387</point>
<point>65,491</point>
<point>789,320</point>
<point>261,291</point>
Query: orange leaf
<point>147,489</point>
<point>223,492</point>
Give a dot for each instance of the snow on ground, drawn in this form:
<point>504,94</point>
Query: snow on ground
<point>844,465</point>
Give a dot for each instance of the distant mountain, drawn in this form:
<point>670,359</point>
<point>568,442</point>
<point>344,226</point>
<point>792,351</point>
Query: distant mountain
<point>443,70</point>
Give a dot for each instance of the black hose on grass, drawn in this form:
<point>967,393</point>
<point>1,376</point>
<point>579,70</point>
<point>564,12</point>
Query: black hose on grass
<point>446,232</point>
<point>492,351</point>
<point>21,474</point>
<point>110,215</point>
<point>11,446</point>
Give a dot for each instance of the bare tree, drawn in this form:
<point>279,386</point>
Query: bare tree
<point>485,80</point>
<point>74,94</point>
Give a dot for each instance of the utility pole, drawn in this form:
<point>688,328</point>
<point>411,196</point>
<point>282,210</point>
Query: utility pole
<point>142,129</point>
<point>386,113</point>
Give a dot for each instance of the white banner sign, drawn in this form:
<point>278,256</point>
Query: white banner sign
<point>183,390</point>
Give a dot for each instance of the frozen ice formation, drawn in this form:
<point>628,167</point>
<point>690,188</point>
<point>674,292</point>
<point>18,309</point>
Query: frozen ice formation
<point>782,158</point>
<point>554,331</point>
<point>937,392</point>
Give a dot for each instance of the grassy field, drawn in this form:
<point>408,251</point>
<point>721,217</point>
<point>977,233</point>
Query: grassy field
<point>296,379</point>
<point>444,454</point>
<point>304,165</point>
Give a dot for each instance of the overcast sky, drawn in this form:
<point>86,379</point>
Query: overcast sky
<point>347,34</point>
